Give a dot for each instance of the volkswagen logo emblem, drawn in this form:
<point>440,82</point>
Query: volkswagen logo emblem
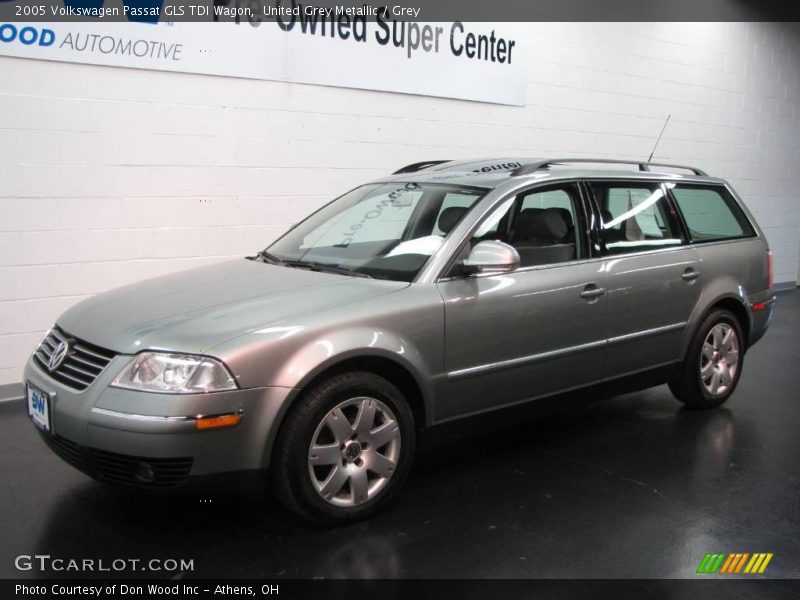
<point>58,356</point>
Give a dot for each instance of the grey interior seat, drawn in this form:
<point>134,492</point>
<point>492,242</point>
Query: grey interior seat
<point>570,237</point>
<point>612,234</point>
<point>544,239</point>
<point>523,223</point>
<point>450,217</point>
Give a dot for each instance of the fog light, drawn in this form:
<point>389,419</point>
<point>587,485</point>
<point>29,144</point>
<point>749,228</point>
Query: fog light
<point>144,472</point>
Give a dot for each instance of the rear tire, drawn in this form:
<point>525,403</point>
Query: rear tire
<point>713,364</point>
<point>345,448</point>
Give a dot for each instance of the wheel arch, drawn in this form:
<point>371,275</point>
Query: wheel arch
<point>735,306</point>
<point>408,380</point>
<point>379,364</point>
<point>728,300</point>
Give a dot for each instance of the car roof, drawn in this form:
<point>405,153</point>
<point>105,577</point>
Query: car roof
<point>492,172</point>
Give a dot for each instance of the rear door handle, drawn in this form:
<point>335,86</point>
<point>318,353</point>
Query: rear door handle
<point>591,292</point>
<point>690,274</point>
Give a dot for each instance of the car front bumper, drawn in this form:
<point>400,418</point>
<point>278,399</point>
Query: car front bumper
<point>152,440</point>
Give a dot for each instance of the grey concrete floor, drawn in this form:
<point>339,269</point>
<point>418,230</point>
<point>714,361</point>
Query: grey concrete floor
<point>629,487</point>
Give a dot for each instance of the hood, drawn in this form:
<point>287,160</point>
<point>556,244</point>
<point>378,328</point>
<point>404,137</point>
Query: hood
<point>194,310</point>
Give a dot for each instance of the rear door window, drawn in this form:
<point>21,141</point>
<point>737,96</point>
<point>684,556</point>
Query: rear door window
<point>635,217</point>
<point>711,213</point>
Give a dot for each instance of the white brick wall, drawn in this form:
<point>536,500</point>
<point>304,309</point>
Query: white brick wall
<point>112,175</point>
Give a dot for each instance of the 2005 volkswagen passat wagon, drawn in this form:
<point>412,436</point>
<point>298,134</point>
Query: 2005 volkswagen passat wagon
<point>445,290</point>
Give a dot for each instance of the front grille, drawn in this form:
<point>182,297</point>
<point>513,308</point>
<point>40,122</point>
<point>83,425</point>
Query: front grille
<point>121,469</point>
<point>82,364</point>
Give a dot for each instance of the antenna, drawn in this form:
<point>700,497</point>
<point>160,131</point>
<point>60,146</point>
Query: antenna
<point>659,138</point>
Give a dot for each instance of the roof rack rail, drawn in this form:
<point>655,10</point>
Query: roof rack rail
<point>419,166</point>
<point>643,166</point>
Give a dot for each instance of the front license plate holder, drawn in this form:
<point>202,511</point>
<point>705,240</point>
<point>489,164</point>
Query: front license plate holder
<point>40,407</point>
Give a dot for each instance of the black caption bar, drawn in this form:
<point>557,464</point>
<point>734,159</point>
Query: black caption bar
<point>256,11</point>
<point>440,589</point>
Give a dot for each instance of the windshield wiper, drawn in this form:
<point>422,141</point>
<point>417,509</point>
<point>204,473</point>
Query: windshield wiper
<point>267,257</point>
<point>307,264</point>
<point>323,267</point>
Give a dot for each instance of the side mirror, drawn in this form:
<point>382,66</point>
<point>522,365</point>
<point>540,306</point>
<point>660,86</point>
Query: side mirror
<point>491,256</point>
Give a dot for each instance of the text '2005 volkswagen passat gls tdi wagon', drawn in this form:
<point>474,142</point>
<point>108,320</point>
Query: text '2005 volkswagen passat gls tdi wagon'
<point>448,289</point>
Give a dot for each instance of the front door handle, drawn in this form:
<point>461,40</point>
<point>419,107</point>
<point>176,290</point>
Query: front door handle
<point>690,274</point>
<point>592,292</point>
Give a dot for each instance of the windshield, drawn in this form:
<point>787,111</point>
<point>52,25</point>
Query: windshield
<point>385,231</point>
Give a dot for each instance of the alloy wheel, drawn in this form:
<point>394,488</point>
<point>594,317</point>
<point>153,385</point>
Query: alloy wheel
<point>354,451</point>
<point>719,359</point>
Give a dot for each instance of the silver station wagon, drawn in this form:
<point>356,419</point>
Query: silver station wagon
<point>447,289</point>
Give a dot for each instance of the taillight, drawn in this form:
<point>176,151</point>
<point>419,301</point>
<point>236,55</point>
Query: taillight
<point>770,271</point>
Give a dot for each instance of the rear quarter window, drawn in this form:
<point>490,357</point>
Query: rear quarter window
<point>711,213</point>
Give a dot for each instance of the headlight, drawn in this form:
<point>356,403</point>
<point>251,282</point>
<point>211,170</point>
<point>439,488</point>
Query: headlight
<point>175,374</point>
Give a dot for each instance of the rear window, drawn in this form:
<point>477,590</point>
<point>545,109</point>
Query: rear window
<point>711,213</point>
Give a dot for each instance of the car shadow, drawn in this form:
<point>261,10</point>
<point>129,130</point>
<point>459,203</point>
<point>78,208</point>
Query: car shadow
<point>513,472</point>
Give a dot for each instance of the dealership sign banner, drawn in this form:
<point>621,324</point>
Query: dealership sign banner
<point>360,48</point>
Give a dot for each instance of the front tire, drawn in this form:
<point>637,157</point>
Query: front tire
<point>345,448</point>
<point>713,362</point>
